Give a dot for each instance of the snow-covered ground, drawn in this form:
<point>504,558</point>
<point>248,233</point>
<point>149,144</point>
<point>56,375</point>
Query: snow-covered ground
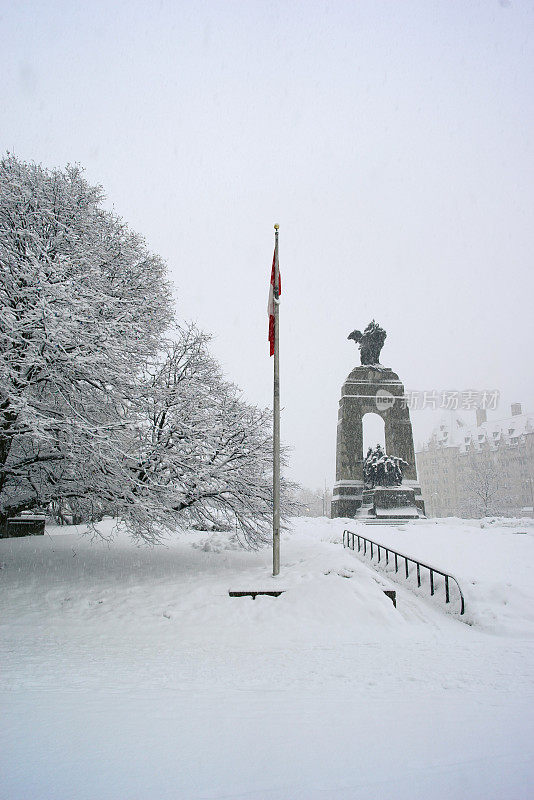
<point>129,673</point>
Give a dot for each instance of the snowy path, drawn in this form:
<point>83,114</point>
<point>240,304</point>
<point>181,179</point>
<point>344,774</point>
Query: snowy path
<point>277,744</point>
<point>129,673</point>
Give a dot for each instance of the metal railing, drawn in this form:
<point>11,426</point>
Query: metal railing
<point>369,546</point>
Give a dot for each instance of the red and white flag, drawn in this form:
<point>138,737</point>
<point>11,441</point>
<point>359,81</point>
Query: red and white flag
<point>270,306</point>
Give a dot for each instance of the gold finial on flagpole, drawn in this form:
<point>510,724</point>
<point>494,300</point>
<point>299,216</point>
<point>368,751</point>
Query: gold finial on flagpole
<point>276,226</point>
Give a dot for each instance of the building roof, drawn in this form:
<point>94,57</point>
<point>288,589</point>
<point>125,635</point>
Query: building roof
<point>453,432</point>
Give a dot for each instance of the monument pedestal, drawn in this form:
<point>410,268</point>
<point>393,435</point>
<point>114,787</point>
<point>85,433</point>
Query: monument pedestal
<point>394,502</point>
<point>347,498</point>
<point>372,389</point>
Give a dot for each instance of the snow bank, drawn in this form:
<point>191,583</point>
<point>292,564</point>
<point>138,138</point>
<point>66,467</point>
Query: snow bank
<point>494,565</point>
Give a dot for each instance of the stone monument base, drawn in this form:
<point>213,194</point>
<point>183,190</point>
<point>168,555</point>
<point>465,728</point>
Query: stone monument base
<point>352,500</point>
<point>347,499</point>
<point>394,502</point>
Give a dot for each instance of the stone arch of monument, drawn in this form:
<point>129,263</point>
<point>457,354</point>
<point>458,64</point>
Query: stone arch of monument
<point>370,389</point>
<point>373,431</point>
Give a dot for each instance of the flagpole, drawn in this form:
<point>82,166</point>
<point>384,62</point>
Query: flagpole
<point>276,414</point>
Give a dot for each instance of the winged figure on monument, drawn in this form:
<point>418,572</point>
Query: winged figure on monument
<point>370,342</point>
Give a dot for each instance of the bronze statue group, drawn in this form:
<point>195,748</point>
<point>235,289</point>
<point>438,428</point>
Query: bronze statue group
<point>380,469</point>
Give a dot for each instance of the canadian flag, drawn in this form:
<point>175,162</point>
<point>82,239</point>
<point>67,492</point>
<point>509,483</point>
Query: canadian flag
<point>270,306</point>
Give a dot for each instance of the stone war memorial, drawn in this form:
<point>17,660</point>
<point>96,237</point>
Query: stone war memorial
<point>383,484</point>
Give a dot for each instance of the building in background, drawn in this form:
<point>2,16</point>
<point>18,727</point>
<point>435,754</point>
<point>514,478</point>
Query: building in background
<point>481,470</point>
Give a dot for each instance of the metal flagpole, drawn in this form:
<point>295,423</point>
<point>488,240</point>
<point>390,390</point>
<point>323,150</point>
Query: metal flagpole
<point>276,414</point>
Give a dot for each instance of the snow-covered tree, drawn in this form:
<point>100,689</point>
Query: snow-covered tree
<point>98,411</point>
<point>204,454</point>
<point>313,502</point>
<point>83,307</point>
<point>482,488</point>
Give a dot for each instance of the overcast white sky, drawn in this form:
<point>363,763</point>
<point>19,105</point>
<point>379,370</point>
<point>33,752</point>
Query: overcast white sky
<point>392,141</point>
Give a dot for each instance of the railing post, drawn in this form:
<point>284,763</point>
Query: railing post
<point>431,581</point>
<point>418,574</point>
<point>396,564</point>
<point>379,554</point>
<point>406,560</point>
<point>364,546</point>
<point>387,556</point>
<point>371,551</point>
<point>446,588</point>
